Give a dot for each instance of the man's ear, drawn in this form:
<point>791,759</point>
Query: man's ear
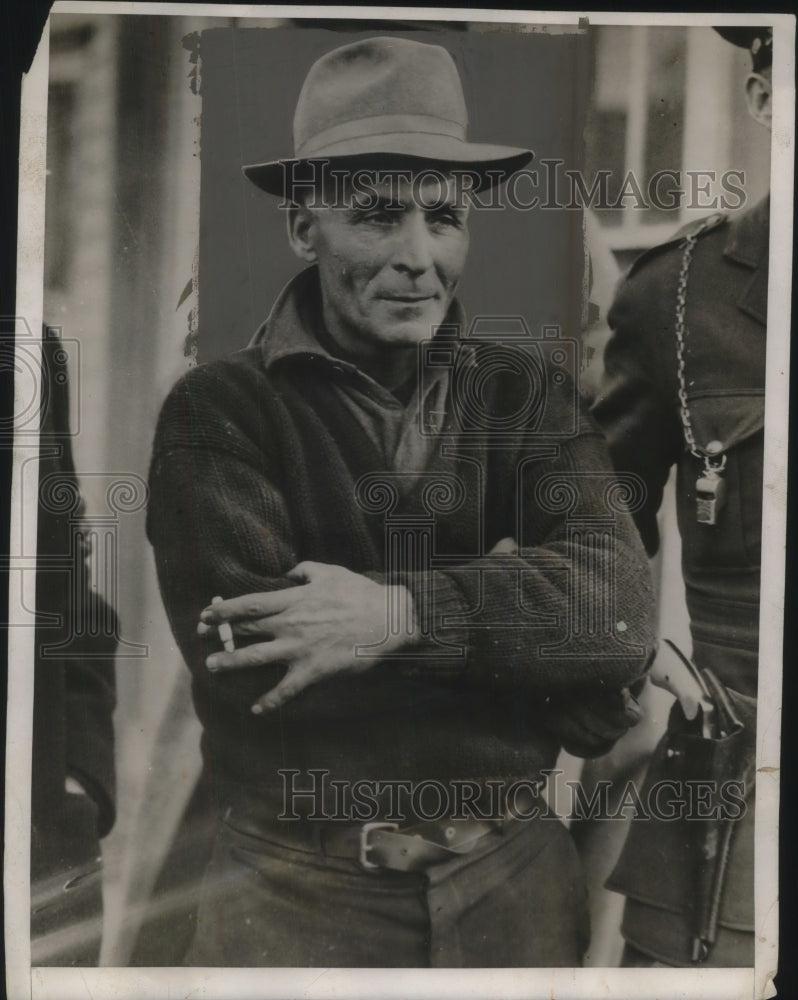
<point>759,95</point>
<point>300,224</point>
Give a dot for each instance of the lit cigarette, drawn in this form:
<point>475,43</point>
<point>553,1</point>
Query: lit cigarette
<point>225,631</point>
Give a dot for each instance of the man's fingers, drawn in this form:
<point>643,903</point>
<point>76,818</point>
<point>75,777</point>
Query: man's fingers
<point>297,678</point>
<point>249,606</point>
<point>256,655</point>
<point>266,627</point>
<point>307,571</point>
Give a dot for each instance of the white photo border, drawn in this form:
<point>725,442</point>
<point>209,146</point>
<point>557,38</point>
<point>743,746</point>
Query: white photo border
<point>219,984</point>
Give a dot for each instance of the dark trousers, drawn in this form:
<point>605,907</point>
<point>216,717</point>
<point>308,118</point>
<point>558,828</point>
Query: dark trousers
<point>517,900</point>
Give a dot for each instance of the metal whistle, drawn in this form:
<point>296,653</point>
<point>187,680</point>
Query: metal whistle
<point>710,496</point>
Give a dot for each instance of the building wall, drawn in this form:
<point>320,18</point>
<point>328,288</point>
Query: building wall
<point>122,212</point>
<point>670,98</point>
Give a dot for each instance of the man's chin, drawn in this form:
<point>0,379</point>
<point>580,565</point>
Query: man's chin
<point>410,331</point>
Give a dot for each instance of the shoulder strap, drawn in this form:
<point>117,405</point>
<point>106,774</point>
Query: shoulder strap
<point>696,229</point>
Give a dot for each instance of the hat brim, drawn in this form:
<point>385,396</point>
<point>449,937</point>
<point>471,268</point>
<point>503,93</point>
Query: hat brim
<point>491,164</point>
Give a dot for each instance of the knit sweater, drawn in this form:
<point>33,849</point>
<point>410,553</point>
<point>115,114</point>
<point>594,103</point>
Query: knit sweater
<point>257,465</point>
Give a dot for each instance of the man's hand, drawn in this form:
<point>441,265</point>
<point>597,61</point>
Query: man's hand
<point>591,727</point>
<point>315,627</point>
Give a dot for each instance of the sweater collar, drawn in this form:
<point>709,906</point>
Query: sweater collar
<point>294,328</point>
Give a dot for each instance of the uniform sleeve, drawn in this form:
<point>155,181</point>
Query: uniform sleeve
<point>635,404</point>
<point>89,679</point>
<point>90,699</point>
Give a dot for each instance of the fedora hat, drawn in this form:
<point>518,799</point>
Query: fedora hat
<point>384,97</point>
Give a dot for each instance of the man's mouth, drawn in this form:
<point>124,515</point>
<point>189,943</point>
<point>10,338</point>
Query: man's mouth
<point>410,297</point>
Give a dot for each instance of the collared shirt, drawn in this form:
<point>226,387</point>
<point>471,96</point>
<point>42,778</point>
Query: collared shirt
<point>295,329</point>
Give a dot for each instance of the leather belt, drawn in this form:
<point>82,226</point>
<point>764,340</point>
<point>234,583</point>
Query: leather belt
<point>378,845</point>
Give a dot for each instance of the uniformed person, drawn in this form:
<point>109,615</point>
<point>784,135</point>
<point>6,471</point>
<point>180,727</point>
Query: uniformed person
<point>684,386</point>
<point>73,782</point>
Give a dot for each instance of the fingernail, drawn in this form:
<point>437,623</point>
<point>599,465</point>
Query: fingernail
<point>206,614</point>
<point>212,663</point>
<point>257,709</point>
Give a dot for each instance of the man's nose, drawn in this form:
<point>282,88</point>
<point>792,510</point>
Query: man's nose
<point>413,252</point>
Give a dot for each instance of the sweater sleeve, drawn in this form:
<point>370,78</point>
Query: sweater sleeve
<point>216,520</point>
<point>570,615</point>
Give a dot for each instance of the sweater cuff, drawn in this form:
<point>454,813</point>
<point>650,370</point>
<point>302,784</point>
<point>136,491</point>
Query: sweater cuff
<point>440,608</point>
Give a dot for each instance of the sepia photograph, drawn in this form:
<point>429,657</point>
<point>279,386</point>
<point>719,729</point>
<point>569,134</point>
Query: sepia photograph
<point>398,514</point>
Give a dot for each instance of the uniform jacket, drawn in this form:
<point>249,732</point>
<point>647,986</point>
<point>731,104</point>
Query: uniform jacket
<point>74,700</point>
<point>75,695</point>
<point>638,408</point>
<point>254,469</point>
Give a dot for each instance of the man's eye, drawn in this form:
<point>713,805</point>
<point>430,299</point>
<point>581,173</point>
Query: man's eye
<point>383,216</point>
<point>445,217</point>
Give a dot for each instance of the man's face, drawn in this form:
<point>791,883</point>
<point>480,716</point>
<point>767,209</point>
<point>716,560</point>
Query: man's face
<point>390,254</point>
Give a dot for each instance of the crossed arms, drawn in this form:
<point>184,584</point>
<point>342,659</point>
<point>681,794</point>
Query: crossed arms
<point>232,532</point>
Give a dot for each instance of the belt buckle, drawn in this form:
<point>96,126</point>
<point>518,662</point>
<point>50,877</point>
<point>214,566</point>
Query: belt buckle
<point>365,847</point>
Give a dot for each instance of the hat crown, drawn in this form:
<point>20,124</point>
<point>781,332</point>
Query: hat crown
<point>376,83</point>
<point>378,98</point>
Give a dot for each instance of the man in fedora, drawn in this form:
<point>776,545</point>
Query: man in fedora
<point>376,539</point>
